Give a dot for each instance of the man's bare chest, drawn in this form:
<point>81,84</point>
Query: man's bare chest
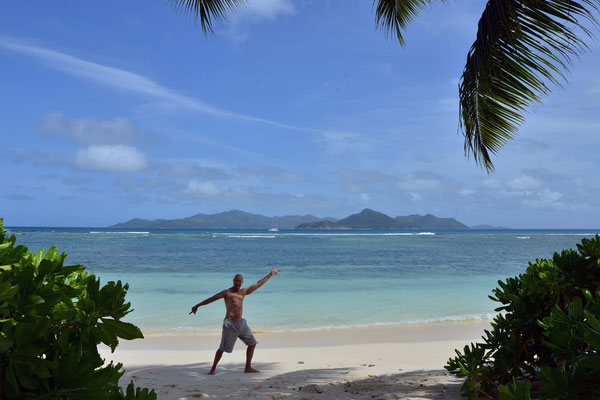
<point>234,298</point>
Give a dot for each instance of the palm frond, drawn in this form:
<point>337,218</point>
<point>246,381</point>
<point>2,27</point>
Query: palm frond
<point>207,10</point>
<point>521,49</point>
<point>393,16</point>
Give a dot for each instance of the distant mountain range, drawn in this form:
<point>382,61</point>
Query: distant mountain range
<point>369,219</point>
<point>236,219</point>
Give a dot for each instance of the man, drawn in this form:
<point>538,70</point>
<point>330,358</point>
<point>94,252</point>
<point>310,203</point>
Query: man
<point>234,325</point>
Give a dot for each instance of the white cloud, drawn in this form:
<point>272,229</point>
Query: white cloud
<point>238,29</point>
<point>424,181</point>
<point>415,196</point>
<point>202,189</point>
<point>110,158</point>
<point>266,9</point>
<point>539,189</point>
<point>128,81</point>
<point>524,183</point>
<point>491,183</point>
<point>89,131</point>
<point>546,199</point>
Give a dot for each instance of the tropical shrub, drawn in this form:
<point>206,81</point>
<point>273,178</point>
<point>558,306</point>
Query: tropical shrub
<point>52,319</point>
<point>545,343</point>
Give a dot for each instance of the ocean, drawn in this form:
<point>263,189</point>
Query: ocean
<point>328,279</point>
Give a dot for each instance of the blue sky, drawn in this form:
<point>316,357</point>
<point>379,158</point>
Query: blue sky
<point>121,109</point>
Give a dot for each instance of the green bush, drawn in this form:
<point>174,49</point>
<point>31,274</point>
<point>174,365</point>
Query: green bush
<point>546,341</point>
<point>52,318</point>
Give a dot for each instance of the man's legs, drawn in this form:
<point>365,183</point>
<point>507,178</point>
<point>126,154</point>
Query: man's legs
<point>249,354</point>
<point>218,356</point>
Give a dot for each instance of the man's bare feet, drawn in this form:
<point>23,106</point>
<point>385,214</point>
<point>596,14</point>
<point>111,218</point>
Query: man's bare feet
<point>248,370</point>
<point>211,372</point>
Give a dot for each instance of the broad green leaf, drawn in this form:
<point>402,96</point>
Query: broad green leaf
<point>592,361</point>
<point>124,330</point>
<point>592,320</point>
<point>7,290</point>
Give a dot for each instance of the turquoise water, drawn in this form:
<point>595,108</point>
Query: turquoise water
<point>338,279</point>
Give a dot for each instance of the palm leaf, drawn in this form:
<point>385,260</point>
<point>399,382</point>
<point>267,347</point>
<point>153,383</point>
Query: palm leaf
<point>522,47</point>
<point>393,16</point>
<point>207,10</point>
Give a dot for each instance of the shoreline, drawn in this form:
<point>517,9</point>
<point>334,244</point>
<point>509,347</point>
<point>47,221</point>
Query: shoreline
<point>409,325</point>
<point>360,363</point>
<point>397,333</point>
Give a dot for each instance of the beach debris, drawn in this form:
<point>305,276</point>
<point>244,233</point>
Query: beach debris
<point>312,388</point>
<point>300,362</point>
<point>371,365</point>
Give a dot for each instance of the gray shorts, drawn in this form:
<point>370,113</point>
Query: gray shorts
<point>233,330</point>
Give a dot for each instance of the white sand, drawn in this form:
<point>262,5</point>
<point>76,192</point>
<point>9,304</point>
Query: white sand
<point>401,362</point>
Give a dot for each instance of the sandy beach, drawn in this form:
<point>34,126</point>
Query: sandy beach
<point>396,362</point>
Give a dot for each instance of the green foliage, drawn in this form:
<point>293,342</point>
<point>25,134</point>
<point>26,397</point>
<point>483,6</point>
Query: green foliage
<point>52,318</point>
<point>514,391</point>
<point>547,336</point>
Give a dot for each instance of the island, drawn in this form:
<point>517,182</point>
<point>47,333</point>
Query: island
<point>367,219</point>
<point>234,219</point>
<point>370,219</point>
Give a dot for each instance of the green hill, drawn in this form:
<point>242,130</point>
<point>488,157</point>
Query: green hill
<point>429,221</point>
<point>369,219</point>
<point>234,219</point>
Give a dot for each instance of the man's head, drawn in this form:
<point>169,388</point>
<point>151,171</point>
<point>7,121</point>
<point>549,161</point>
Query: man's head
<point>238,280</point>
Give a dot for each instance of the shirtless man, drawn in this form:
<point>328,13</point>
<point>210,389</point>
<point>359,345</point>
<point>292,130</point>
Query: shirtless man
<point>234,325</point>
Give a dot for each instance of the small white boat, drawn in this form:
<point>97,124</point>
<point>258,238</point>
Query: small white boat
<point>273,229</point>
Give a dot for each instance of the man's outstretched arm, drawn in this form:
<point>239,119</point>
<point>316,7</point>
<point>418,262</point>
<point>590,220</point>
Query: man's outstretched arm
<point>264,280</point>
<point>207,301</point>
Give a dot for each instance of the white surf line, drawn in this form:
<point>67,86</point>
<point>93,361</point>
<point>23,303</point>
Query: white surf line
<point>119,233</point>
